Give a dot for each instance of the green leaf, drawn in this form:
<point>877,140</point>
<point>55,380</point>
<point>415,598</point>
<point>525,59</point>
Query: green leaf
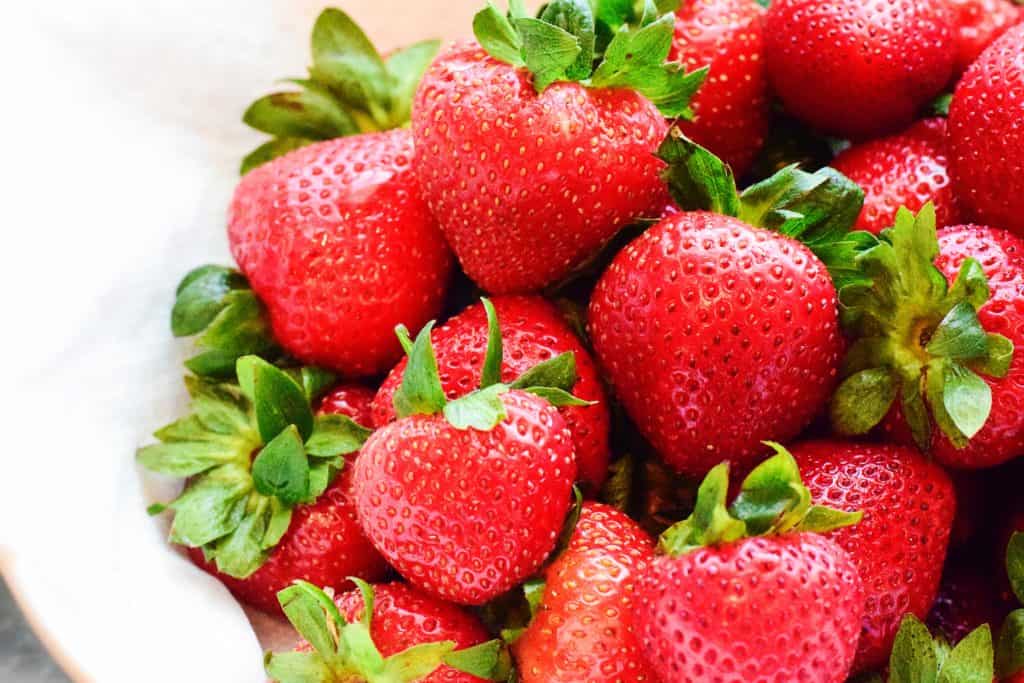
<point>211,507</point>
<point>971,661</point>
<point>1015,564</point>
<point>548,51</point>
<point>336,435</point>
<point>201,296</point>
<point>498,36</point>
<point>421,392</point>
<point>913,658</point>
<point>697,179</point>
<point>997,359</point>
<point>710,524</point>
<point>312,113</point>
<point>281,469</point>
<point>772,496</point>
<point>271,150</point>
<point>482,409</point>
<point>346,60</point>
<point>558,397</point>
<point>243,551</point>
<point>960,335</point>
<point>820,519</point>
<point>862,400</point>
<point>314,615</point>
<point>315,381</point>
<point>479,660</point>
<point>278,399</point>
<point>1010,650</point>
<point>406,67</point>
<point>966,399</point>
<point>297,667</point>
<point>615,13</point>
<point>321,474</point>
<point>618,487</point>
<point>240,328</point>
<point>278,523</point>
<point>576,17</point>
<point>557,373</point>
<point>971,284</point>
<point>219,407</point>
<point>940,106</point>
<point>185,459</point>
<point>491,373</point>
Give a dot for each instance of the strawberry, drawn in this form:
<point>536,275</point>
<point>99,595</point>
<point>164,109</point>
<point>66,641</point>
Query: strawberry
<point>466,498</point>
<point>529,170</point>
<point>264,503</point>
<point>387,632</point>
<point>750,592</point>
<point>967,599</point>
<point>900,544</point>
<point>584,629</point>
<point>858,69</point>
<point>907,169</point>
<point>336,241</point>
<point>532,331</point>
<point>978,23</point>
<point>731,108</point>
<point>353,400</point>
<point>942,310</point>
<point>717,334</point>
<point>986,140</point>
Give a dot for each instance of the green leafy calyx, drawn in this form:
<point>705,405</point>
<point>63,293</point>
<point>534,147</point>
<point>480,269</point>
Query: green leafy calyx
<point>917,656</point>
<point>350,89</point>
<point>604,46</point>
<point>917,339</point>
<point>818,209</point>
<point>250,452</point>
<point>772,500</point>
<point>345,652</point>
<point>421,393</point>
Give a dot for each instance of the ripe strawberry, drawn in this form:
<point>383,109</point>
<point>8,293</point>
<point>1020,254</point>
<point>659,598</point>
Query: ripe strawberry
<point>750,593</point>
<point>353,400</point>
<point>532,331</point>
<point>264,503</point>
<point>336,241</point>
<point>858,69</point>
<point>388,632</point>
<point>584,628</point>
<point>529,171</point>
<point>900,545</point>
<point>717,334</point>
<point>731,108</point>
<point>940,311</point>
<point>466,498</point>
<point>986,139</point>
<point>978,23</point>
<point>908,169</point>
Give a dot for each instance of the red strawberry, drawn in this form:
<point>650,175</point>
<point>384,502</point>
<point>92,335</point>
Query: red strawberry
<point>353,400</point>
<point>336,241</point>
<point>264,503</point>
<point>528,170</point>
<point>1001,256</point>
<point>532,331</point>
<point>583,629</point>
<point>858,69</point>
<point>466,498</point>
<point>731,108</point>
<point>900,544</point>
<point>716,336</point>
<point>978,23</point>
<point>407,636</point>
<point>934,333</point>
<point>733,600</point>
<point>986,137</point>
<point>907,169</point>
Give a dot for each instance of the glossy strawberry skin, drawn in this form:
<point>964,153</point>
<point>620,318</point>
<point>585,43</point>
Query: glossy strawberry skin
<point>986,135</point>
<point>759,610</point>
<point>336,241</point>
<point>731,108</point>
<point>404,617</point>
<point>352,400</point>
<point>858,69</point>
<point>716,336</point>
<point>1001,255</point>
<point>532,331</point>
<point>907,169</point>
<point>978,24</point>
<point>900,544</point>
<point>324,545</point>
<point>467,515</point>
<point>584,629</point>
<point>527,186</point>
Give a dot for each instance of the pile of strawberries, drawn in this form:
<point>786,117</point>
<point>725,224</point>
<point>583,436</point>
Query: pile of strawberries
<point>664,239</point>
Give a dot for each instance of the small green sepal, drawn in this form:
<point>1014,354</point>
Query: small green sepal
<point>917,656</point>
